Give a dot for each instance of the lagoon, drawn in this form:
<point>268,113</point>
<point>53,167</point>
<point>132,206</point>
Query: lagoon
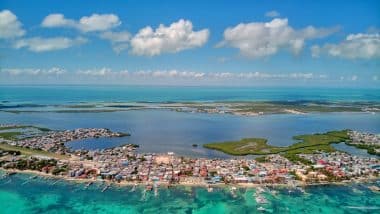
<point>161,130</point>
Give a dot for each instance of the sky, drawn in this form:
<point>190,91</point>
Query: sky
<point>238,43</point>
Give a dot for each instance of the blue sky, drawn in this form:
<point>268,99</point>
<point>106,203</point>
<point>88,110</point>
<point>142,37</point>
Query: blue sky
<point>207,43</point>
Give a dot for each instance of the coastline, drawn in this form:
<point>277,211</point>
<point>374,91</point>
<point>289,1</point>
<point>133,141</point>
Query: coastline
<point>189,184</point>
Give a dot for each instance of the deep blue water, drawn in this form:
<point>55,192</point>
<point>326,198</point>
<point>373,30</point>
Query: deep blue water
<point>66,94</point>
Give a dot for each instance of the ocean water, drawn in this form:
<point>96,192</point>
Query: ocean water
<point>18,194</point>
<point>69,93</point>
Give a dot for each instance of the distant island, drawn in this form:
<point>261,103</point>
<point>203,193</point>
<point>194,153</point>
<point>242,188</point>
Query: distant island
<point>243,108</point>
<point>307,144</point>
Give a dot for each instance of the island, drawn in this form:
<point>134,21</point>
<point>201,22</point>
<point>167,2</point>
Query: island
<point>310,161</point>
<point>241,108</point>
<point>306,144</point>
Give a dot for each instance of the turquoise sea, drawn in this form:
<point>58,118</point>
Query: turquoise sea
<point>19,194</point>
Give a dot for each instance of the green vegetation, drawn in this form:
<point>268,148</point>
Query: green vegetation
<point>306,144</point>
<point>14,132</point>
<point>24,127</point>
<point>246,146</point>
<point>123,134</point>
<point>261,159</point>
<point>295,158</point>
<point>10,135</point>
<point>30,152</point>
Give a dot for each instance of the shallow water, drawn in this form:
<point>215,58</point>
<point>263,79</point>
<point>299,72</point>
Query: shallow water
<point>40,196</point>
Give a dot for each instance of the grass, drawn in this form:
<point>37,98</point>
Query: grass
<point>31,152</point>
<point>306,144</point>
<point>246,146</point>
<point>10,135</point>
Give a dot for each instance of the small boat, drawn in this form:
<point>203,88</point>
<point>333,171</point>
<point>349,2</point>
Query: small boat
<point>261,200</point>
<point>233,191</point>
<point>260,190</point>
<point>10,173</point>
<point>300,189</point>
<point>133,188</point>
<point>274,192</point>
<point>261,209</point>
<point>143,197</point>
<point>374,188</point>
<point>155,187</point>
<point>148,187</point>
<point>209,189</point>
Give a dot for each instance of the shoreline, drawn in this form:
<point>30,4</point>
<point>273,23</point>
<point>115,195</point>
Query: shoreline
<point>188,184</point>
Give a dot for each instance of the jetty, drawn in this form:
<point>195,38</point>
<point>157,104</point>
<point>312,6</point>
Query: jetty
<point>106,187</point>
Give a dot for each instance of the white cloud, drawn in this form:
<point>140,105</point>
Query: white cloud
<point>33,71</point>
<point>119,40</point>
<point>354,78</point>
<point>38,44</point>
<point>174,38</point>
<point>375,78</point>
<point>95,22</point>
<point>10,27</point>
<point>355,46</point>
<point>123,36</point>
<point>103,72</point>
<point>172,74</point>
<point>108,73</point>
<point>261,75</point>
<point>58,20</point>
<point>272,14</point>
<point>260,39</point>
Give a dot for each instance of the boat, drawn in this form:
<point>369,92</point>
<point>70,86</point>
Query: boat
<point>155,187</point>
<point>149,187</point>
<point>300,189</point>
<point>10,173</point>
<point>261,209</point>
<point>143,197</point>
<point>260,190</point>
<point>133,188</point>
<point>374,188</point>
<point>209,189</point>
<point>233,191</point>
<point>274,192</point>
<point>261,200</point>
